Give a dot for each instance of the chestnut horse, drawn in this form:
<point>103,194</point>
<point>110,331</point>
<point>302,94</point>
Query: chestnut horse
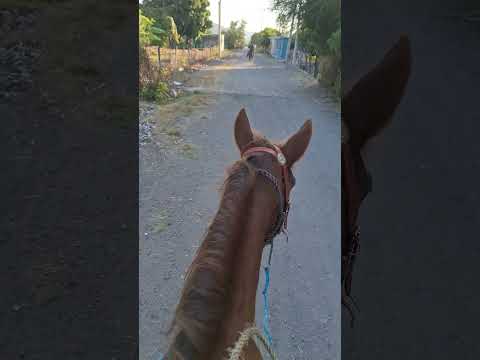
<point>218,298</point>
<point>366,110</point>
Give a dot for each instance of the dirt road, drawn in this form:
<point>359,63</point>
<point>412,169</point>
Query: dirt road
<point>181,169</point>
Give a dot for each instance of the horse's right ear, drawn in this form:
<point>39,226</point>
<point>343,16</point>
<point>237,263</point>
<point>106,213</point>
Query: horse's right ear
<point>297,144</point>
<point>243,131</point>
<point>368,107</point>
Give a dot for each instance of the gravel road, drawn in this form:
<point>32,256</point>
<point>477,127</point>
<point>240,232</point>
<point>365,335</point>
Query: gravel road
<point>181,169</point>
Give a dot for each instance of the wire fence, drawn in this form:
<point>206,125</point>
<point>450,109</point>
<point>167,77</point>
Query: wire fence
<point>179,58</point>
<point>325,67</point>
<point>314,65</point>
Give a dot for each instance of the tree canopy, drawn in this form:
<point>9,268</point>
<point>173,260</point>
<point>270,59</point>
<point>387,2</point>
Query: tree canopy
<point>235,35</point>
<point>319,23</point>
<point>319,33</point>
<point>318,20</point>
<point>262,38</point>
<point>285,10</point>
<point>144,29</point>
<point>159,33</point>
<point>192,17</point>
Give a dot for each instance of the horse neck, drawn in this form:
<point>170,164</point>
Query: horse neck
<point>245,272</point>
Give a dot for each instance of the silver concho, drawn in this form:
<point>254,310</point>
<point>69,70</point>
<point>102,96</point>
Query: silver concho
<point>281,159</point>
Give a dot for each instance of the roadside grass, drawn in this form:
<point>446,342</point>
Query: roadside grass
<point>160,222</point>
<point>170,121</point>
<point>189,151</point>
<point>157,93</point>
<point>170,113</point>
<point>173,132</point>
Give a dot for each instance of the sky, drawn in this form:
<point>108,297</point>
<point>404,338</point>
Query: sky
<point>256,13</point>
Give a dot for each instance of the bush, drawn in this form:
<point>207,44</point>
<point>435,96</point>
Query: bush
<point>153,81</point>
<point>337,86</point>
<point>335,48</point>
<point>262,38</point>
<point>158,92</point>
<point>328,70</point>
<point>235,35</point>
<point>334,43</point>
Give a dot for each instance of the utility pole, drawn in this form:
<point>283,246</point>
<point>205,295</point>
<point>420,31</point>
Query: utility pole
<point>294,56</point>
<point>290,35</point>
<point>220,28</point>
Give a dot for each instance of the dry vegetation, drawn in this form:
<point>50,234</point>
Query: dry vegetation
<point>177,58</point>
<point>157,66</point>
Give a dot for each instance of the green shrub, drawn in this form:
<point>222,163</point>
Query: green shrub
<point>334,43</point>
<point>262,38</point>
<point>328,70</point>
<point>158,93</point>
<point>337,86</point>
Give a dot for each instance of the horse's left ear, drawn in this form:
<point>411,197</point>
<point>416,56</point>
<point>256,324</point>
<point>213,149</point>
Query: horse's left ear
<point>243,131</point>
<point>295,146</point>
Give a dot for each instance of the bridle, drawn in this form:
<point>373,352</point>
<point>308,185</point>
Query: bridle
<point>356,184</point>
<point>283,189</point>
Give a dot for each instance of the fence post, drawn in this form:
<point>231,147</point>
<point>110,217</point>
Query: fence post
<point>158,53</point>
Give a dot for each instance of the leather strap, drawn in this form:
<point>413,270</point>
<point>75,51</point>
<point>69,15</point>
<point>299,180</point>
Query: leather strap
<point>258,149</point>
<point>283,191</point>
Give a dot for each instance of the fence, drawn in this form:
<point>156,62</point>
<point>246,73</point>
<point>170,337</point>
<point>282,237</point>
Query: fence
<point>308,63</point>
<point>178,58</point>
<point>321,67</point>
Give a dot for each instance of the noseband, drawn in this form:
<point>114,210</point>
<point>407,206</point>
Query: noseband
<point>282,190</point>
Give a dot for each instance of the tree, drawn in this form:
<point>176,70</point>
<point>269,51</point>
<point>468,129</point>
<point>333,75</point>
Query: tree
<point>145,25</point>
<point>319,20</point>
<point>192,17</point>
<point>235,35</point>
<point>334,43</point>
<point>198,22</point>
<point>285,10</point>
<point>262,38</point>
<point>170,37</point>
<point>157,33</point>
<point>319,33</point>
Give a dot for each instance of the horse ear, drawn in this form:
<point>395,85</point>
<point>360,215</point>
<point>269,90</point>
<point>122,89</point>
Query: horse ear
<point>370,104</point>
<point>243,131</point>
<point>295,146</point>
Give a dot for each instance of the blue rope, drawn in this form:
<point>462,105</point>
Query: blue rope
<point>266,311</point>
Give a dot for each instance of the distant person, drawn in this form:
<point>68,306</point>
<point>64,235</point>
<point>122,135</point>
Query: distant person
<point>251,51</point>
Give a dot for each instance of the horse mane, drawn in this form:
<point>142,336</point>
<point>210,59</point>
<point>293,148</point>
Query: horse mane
<point>206,293</point>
